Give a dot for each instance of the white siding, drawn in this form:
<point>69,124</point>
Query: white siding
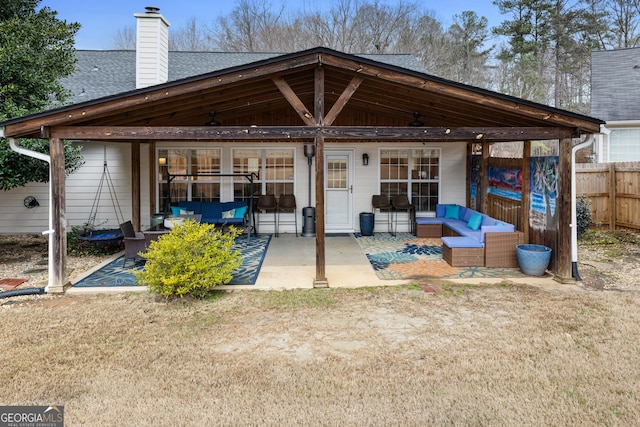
<point>81,190</point>
<point>82,186</point>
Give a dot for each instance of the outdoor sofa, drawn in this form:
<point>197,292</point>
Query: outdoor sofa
<point>217,213</point>
<point>470,238</point>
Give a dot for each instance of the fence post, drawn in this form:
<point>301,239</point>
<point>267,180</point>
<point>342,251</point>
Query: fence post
<point>612,196</point>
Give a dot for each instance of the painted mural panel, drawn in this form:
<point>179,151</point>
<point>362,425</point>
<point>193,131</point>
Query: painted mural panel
<point>505,182</point>
<point>544,191</point>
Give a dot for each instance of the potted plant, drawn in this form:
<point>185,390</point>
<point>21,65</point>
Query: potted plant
<point>533,259</point>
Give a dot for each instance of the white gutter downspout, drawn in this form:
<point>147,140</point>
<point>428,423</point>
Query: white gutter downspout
<point>574,215</point>
<point>46,158</point>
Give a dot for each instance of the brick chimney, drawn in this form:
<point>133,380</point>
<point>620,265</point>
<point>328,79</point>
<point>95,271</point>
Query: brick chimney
<point>152,48</point>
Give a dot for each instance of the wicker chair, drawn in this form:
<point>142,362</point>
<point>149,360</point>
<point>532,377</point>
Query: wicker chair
<point>134,242</point>
<point>287,204</point>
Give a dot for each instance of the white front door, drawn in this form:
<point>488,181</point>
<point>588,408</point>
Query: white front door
<point>338,166</point>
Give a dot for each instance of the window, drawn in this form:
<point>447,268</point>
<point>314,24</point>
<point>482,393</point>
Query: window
<point>274,168</point>
<point>418,170</point>
<point>624,145</point>
<point>194,166</point>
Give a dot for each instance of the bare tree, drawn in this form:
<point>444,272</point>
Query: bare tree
<point>125,38</point>
<point>425,38</point>
<point>335,29</point>
<point>251,27</point>
<point>191,37</point>
<point>625,19</point>
<point>378,27</point>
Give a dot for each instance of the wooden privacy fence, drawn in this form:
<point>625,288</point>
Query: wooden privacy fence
<point>614,191</point>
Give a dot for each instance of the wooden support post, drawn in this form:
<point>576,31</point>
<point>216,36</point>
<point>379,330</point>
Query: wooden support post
<point>153,177</point>
<point>526,188</point>
<point>563,270</point>
<point>484,178</point>
<point>468,178</point>
<point>612,196</point>
<point>321,277</point>
<point>58,281</point>
<point>135,184</point>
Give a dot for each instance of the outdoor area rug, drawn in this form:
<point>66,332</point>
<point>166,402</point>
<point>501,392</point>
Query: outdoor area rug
<point>405,256</point>
<point>252,250</point>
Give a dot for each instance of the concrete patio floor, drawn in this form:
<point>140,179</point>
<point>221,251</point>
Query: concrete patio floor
<point>290,264</point>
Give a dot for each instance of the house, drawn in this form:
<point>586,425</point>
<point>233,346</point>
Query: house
<point>615,90</point>
<point>375,125</point>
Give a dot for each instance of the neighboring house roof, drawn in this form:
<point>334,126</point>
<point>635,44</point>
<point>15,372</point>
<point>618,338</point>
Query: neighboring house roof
<point>101,73</point>
<point>615,84</point>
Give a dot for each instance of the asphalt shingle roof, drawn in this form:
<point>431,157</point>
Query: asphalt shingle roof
<point>101,73</point>
<point>615,84</point>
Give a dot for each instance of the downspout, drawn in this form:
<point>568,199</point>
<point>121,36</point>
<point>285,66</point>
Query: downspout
<point>574,214</point>
<point>45,158</point>
<point>606,143</point>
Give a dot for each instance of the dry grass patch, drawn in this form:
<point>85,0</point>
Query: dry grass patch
<point>466,355</point>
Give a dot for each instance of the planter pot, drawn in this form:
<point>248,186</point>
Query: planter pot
<point>533,259</point>
<point>366,223</point>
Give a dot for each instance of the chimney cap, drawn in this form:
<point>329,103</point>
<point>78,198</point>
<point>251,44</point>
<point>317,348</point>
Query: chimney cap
<point>151,9</point>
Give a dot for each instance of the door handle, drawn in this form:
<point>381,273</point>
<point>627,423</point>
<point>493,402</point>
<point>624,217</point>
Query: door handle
<point>351,189</point>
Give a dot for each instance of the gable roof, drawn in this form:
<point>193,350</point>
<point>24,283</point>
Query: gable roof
<point>282,91</point>
<point>615,84</point>
<point>101,73</point>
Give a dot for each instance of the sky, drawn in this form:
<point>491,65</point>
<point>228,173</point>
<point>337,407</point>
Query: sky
<point>101,21</point>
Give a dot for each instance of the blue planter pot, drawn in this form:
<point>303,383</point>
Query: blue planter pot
<point>533,259</point>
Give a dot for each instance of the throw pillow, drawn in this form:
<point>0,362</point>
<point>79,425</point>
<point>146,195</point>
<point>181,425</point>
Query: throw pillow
<point>240,212</point>
<point>175,210</point>
<point>185,212</point>
<point>228,214</point>
<point>452,212</point>
<point>475,221</point>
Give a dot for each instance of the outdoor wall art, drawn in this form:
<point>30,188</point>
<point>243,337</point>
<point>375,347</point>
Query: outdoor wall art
<point>543,192</point>
<point>505,182</point>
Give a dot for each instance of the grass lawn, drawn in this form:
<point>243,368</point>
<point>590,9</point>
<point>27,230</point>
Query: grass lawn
<point>462,355</point>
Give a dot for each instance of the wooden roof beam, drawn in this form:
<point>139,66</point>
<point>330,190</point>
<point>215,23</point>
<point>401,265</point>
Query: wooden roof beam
<point>234,133</point>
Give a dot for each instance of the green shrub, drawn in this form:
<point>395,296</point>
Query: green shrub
<point>190,260</point>
<point>583,214</point>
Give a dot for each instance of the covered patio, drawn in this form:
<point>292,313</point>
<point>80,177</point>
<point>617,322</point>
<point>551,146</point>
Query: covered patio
<point>324,98</point>
<point>352,261</point>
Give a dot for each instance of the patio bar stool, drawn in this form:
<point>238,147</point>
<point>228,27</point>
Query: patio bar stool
<point>381,203</point>
<point>401,202</point>
<point>287,204</point>
<point>266,203</point>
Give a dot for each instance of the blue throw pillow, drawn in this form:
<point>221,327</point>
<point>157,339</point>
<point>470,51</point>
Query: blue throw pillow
<point>475,221</point>
<point>175,210</point>
<point>240,212</point>
<point>452,212</point>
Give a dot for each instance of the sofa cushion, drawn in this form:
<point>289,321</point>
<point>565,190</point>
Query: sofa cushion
<point>475,221</point>
<point>428,220</point>
<point>211,211</point>
<point>461,242</point>
<point>452,212</point>
<point>240,212</point>
<point>190,206</point>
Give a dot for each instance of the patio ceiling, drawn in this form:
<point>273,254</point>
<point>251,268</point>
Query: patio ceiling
<point>366,93</point>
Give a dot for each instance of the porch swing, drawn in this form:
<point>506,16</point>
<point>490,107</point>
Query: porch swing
<point>104,236</point>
